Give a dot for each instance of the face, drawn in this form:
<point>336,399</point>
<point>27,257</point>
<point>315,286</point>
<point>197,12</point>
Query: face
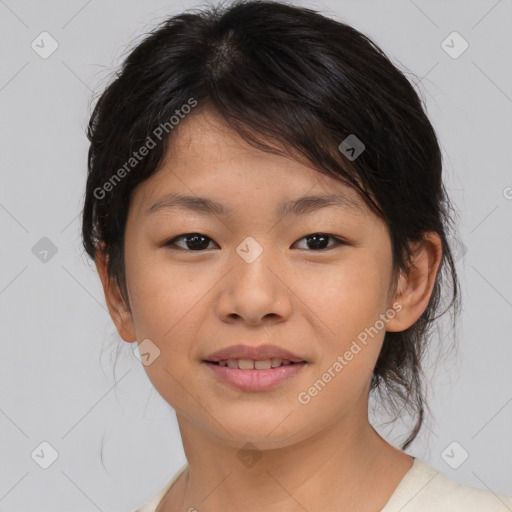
<point>314,279</point>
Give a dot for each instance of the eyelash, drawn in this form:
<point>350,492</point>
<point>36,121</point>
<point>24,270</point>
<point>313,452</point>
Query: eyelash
<point>171,244</point>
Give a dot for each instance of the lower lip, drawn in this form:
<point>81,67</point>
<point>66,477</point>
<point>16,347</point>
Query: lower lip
<point>255,380</point>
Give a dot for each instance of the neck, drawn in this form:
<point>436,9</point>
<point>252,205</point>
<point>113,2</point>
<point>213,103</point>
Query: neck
<point>331,467</point>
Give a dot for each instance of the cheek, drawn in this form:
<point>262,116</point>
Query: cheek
<point>163,295</point>
<point>166,302</point>
<point>349,303</point>
<point>348,296</point>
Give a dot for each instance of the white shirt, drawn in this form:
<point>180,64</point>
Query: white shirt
<point>422,489</point>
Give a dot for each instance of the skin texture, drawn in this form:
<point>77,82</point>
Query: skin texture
<point>312,302</point>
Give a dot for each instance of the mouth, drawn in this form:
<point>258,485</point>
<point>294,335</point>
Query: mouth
<point>254,368</point>
<point>261,356</point>
<point>254,376</point>
<point>251,364</point>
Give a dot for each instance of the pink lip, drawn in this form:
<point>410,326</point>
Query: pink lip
<point>260,353</point>
<point>255,380</point>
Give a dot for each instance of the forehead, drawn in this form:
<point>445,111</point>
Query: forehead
<point>204,135</point>
<point>206,157</point>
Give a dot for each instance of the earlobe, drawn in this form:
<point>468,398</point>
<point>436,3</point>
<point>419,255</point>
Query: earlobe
<point>415,287</point>
<point>117,307</point>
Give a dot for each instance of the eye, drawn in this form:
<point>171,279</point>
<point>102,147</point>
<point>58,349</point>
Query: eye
<point>193,242</point>
<point>198,242</point>
<point>318,241</point>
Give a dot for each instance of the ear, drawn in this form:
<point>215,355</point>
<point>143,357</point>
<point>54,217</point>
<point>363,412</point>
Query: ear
<point>415,288</point>
<point>117,307</point>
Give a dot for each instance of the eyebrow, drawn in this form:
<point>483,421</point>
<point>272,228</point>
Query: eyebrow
<point>299,206</point>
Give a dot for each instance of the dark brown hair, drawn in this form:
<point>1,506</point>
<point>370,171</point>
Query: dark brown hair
<point>283,77</point>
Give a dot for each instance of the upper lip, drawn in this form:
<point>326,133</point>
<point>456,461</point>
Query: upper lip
<point>259,353</point>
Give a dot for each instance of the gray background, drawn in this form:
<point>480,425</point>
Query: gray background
<point>118,444</point>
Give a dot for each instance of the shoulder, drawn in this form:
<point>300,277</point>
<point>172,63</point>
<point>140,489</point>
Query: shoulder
<point>152,504</point>
<point>425,489</point>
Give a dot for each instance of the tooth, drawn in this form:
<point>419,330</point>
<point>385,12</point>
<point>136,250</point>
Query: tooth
<point>263,365</point>
<point>246,364</point>
<point>250,364</point>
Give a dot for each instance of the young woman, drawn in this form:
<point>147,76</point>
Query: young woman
<point>266,211</point>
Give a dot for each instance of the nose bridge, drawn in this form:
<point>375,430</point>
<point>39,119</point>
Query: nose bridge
<point>250,249</point>
<point>253,289</point>
<point>251,262</point>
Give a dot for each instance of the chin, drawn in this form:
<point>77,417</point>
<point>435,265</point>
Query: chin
<point>268,433</point>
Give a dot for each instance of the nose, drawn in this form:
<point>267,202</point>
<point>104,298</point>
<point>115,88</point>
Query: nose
<point>255,293</point>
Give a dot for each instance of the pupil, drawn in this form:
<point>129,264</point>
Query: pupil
<point>317,245</point>
<point>196,242</point>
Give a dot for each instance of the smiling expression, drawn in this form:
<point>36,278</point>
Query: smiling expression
<point>323,273</point>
